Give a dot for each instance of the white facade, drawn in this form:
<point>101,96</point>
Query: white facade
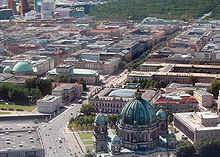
<point>218,107</point>
<point>30,15</point>
<point>198,125</point>
<point>204,98</point>
<point>49,104</point>
<point>43,65</point>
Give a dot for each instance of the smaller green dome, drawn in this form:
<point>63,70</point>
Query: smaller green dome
<point>22,67</point>
<point>115,139</point>
<point>7,69</point>
<point>100,118</point>
<point>161,114</point>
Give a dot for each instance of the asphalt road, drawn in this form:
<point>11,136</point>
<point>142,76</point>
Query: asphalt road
<point>56,129</point>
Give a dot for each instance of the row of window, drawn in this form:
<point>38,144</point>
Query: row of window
<point>107,105</point>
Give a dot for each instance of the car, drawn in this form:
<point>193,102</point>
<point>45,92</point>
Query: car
<point>50,147</point>
<point>59,146</point>
<point>60,140</point>
<point>184,137</point>
<point>50,129</point>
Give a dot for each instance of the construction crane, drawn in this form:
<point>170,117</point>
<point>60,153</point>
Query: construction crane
<point>196,50</point>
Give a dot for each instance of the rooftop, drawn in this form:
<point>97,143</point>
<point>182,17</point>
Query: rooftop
<point>176,97</point>
<point>191,120</point>
<point>122,93</point>
<point>76,72</point>
<point>49,98</point>
<point>202,92</point>
<point>19,139</point>
<point>149,74</point>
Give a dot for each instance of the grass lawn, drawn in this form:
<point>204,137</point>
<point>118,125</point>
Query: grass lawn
<point>87,142</point>
<point>89,148</point>
<point>4,113</point>
<point>15,107</point>
<point>86,136</point>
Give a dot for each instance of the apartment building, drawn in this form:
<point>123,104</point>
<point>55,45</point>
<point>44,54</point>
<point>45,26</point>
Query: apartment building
<point>203,97</point>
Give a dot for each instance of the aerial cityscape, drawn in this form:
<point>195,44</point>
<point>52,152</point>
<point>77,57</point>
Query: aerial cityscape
<point>109,78</point>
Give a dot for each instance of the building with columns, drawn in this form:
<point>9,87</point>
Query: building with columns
<point>140,132</point>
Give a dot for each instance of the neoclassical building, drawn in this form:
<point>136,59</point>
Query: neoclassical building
<point>140,132</point>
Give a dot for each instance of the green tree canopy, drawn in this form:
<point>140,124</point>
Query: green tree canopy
<point>193,79</point>
<point>15,93</point>
<point>209,146</point>
<point>63,78</point>
<point>87,109</point>
<point>139,9</point>
<point>185,149</point>
<point>215,87</point>
<point>45,86</point>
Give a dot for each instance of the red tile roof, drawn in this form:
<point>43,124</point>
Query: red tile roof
<point>178,101</point>
<point>105,30</point>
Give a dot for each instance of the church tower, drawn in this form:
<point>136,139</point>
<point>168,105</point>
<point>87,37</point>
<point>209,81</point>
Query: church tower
<point>100,133</point>
<point>161,115</point>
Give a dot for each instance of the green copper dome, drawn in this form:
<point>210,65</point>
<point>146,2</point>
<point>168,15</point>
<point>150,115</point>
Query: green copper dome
<point>22,67</point>
<point>137,112</point>
<point>100,118</point>
<point>161,114</point>
<point>7,69</point>
<point>115,139</point>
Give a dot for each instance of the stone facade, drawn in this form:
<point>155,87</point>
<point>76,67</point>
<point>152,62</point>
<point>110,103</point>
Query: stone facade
<point>49,104</point>
<point>68,91</point>
<point>140,132</point>
<point>204,98</point>
<point>87,75</point>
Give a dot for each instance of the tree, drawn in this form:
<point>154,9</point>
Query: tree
<point>35,121</point>
<point>87,109</point>
<point>34,94</point>
<point>16,94</point>
<point>193,79</point>
<point>208,147</point>
<point>215,87</point>
<point>170,119</point>
<point>4,90</point>
<point>84,127</point>
<point>111,124</point>
<point>185,149</point>
<point>79,127</point>
<point>63,78</point>
<point>83,83</point>
<point>45,86</point>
